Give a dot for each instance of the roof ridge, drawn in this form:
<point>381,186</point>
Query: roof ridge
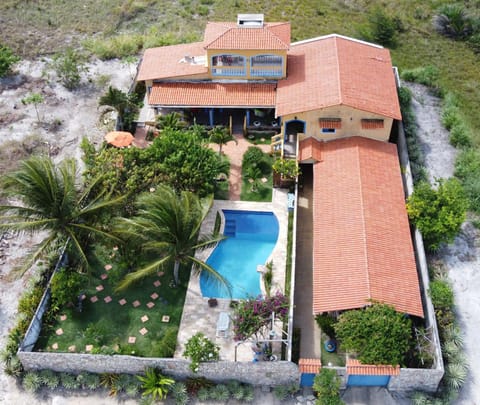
<point>339,80</point>
<point>363,221</point>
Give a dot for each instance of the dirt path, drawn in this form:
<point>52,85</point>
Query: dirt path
<point>462,258</point>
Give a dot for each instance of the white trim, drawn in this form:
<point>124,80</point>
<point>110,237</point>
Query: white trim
<point>306,41</point>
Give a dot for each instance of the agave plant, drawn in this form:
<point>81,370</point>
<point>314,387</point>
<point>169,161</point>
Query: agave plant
<point>248,394</point>
<point>419,398</point>
<point>50,379</point>
<point>454,334</point>
<point>203,394</point>
<point>220,393</point>
<point>180,395</point>
<point>456,375</point>
<point>91,381</point>
<point>155,384</point>
<point>69,381</point>
<point>31,381</point>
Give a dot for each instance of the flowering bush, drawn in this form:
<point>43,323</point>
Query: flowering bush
<point>253,316</point>
<point>200,348</point>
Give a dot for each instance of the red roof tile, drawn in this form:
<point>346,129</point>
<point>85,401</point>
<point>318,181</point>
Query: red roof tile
<point>310,366</point>
<point>335,70</point>
<point>362,249</point>
<point>354,367</point>
<point>310,149</point>
<point>213,94</point>
<point>169,62</point>
<point>225,35</point>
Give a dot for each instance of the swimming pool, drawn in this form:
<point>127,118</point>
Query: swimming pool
<point>251,237</point>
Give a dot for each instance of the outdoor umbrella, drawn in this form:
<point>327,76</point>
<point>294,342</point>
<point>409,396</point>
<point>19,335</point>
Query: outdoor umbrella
<point>119,139</point>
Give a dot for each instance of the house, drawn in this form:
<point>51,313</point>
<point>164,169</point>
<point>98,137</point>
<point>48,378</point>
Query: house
<point>334,102</point>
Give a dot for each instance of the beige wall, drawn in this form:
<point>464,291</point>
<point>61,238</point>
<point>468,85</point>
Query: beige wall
<point>247,54</point>
<point>351,123</point>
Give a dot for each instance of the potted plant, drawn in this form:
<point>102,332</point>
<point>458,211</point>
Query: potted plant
<point>285,172</point>
<point>212,302</point>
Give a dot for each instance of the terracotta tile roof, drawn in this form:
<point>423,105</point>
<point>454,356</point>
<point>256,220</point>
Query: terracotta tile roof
<point>310,149</point>
<point>169,62</point>
<point>362,249</point>
<point>213,94</point>
<point>354,367</point>
<point>224,35</point>
<point>336,70</point>
<point>310,366</point>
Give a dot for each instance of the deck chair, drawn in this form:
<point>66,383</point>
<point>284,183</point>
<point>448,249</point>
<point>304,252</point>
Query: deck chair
<point>223,324</point>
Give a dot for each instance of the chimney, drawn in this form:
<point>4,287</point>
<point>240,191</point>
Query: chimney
<point>250,20</point>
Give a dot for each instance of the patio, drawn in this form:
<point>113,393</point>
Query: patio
<point>198,316</point>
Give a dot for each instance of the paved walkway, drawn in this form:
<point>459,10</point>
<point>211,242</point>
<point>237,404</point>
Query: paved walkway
<point>303,318</point>
<point>235,152</point>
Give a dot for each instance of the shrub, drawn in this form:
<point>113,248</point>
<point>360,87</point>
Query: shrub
<point>438,213</point>
<point>460,136</point>
<point>69,66</point>
<point>456,374</point>
<point>167,345</point>
<point>426,75</point>
<point>452,21</point>
<point>120,46</point>
<point>327,386</point>
<point>31,381</point>
<point>377,334</point>
<point>66,286</point>
<point>326,323</point>
<point>441,294</point>
<point>195,385</point>
<point>382,28</point>
<point>252,156</point>
<point>91,381</point>
<point>287,168</point>
<point>69,381</point>
<point>199,349</point>
<point>220,393</point>
<point>179,392</point>
<point>50,379</point>
<point>155,384</point>
<point>7,59</point>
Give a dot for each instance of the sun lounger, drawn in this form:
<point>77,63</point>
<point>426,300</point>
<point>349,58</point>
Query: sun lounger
<point>222,324</point>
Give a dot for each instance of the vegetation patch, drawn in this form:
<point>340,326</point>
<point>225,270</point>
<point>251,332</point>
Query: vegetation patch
<point>256,175</point>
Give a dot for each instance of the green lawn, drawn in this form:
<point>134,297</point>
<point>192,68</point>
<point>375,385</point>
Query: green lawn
<point>263,190</point>
<point>108,326</point>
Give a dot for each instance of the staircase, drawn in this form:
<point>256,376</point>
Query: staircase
<point>230,227</point>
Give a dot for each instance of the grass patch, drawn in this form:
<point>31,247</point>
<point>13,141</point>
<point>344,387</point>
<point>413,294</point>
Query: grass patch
<point>336,358</point>
<point>107,326</point>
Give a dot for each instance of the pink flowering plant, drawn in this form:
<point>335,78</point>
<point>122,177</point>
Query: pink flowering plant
<point>253,317</point>
<point>198,349</point>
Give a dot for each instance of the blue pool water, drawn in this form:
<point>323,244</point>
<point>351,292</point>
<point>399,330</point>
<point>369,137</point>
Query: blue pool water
<point>251,237</point>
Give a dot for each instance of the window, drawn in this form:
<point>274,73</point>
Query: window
<point>266,66</point>
<point>228,65</point>
<point>330,125</point>
<point>368,123</point>
<point>266,60</point>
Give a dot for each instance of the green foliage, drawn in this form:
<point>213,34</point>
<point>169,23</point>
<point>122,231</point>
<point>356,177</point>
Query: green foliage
<point>50,379</point>
<point>65,286</point>
<point>467,169</point>
<point>252,156</point>
<point>125,104</point>
<point>69,66</point>
<point>155,384</point>
<point>453,21</point>
<point>31,381</point>
<point>91,381</point>
<point>287,168</point>
<point>326,323</point>
<point>282,392</point>
<point>220,136</point>
<point>426,75</point>
<point>179,392</point>
<point>166,346</point>
<point>172,121</point>
<point>327,387</point>
<point>441,294</point>
<point>382,28</point>
<point>119,46</point>
<point>455,123</point>
<point>253,316</point>
<point>197,384</point>
<point>377,334</point>
<point>438,213</point>
<point>268,278</point>
<point>51,202</point>
<point>35,99</point>
<point>110,381</point>
<point>456,374</point>
<point>200,349</point>
<point>7,60</point>
<point>69,381</point>
<point>220,393</point>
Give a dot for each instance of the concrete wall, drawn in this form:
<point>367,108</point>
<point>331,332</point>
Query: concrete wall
<point>261,373</point>
<point>416,379</point>
<point>351,120</point>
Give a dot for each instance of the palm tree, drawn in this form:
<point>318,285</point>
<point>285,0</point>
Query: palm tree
<point>119,100</point>
<point>173,120</point>
<point>220,136</point>
<point>47,198</point>
<point>168,225</point>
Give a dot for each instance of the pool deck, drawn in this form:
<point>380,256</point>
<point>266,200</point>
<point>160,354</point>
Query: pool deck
<point>197,315</point>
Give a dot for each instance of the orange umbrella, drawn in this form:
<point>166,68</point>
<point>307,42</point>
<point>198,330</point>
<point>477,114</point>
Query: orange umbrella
<point>119,139</point>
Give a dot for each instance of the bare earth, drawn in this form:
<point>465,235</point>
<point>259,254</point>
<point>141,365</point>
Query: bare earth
<point>462,258</point>
<point>78,115</point>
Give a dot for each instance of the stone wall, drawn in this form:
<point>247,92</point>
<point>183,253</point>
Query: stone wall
<point>416,379</point>
<point>261,373</point>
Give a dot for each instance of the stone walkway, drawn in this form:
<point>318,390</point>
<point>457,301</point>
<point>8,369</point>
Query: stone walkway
<point>235,152</point>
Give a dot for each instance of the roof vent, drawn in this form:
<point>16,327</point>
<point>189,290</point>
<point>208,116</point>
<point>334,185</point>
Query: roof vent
<point>250,20</point>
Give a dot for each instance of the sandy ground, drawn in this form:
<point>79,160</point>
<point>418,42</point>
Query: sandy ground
<point>462,258</point>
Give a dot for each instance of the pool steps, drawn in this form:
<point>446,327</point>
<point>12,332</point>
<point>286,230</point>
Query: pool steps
<point>230,227</point>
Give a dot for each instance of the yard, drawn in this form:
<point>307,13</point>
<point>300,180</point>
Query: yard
<point>142,320</point>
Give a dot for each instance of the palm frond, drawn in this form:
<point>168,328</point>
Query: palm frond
<point>138,275</point>
<point>199,266</point>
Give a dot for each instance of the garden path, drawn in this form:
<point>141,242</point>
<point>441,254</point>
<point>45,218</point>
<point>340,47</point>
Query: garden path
<point>235,152</point>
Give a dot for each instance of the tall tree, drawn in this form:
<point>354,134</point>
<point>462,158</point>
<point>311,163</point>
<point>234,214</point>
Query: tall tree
<point>47,199</point>
<point>168,226</point>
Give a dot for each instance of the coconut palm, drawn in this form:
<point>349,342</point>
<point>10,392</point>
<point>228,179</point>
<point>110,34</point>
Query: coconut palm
<point>48,199</point>
<point>168,225</point>
<point>221,136</point>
